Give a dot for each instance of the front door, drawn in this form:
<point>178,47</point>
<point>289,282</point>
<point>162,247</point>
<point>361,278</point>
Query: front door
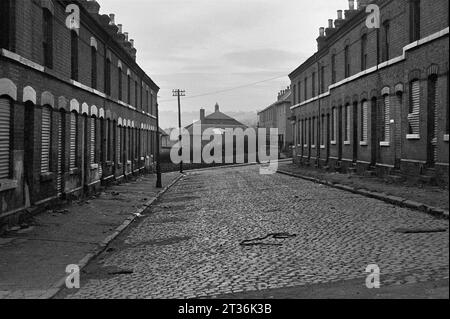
<point>355,132</point>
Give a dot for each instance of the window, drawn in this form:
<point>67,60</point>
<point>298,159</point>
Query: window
<point>129,89</point>
<point>364,52</point>
<point>313,132</point>
<point>93,67</point>
<point>447,122</point>
<point>299,91</point>
<point>386,48</point>
<point>294,95</point>
<point>385,132</point>
<point>108,141</point>
<point>119,71</point>
<point>364,121</point>
<point>322,79</point>
<point>108,77</point>
<point>414,107</point>
<point>313,84</point>
<point>141,96</point>
<point>151,103</point>
<point>347,123</point>
<point>73,140</point>
<point>5,138</point>
<point>347,61</point>
<point>414,20</point>
<point>46,139</point>
<point>147,99</point>
<point>135,94</point>
<point>74,55</point>
<point>47,42</point>
<point>306,89</point>
<point>333,68</point>
<point>5,29</point>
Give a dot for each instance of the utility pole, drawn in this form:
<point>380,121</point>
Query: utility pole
<point>179,93</point>
<point>158,150</point>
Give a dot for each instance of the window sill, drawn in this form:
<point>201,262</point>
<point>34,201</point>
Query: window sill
<point>413,136</point>
<point>109,163</point>
<point>322,147</point>
<point>385,144</point>
<point>142,158</point>
<point>313,146</point>
<point>363,143</point>
<point>333,142</point>
<point>346,142</point>
<point>446,138</point>
<point>7,184</point>
<point>94,166</point>
<point>46,177</point>
<point>128,162</point>
<point>305,145</point>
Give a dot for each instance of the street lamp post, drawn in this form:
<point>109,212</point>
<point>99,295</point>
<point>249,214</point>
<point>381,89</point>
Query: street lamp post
<point>158,150</point>
<point>179,93</point>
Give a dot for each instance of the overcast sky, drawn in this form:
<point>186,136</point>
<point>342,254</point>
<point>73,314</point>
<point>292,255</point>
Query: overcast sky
<point>209,46</point>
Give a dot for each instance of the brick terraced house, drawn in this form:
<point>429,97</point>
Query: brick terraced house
<point>377,99</point>
<point>277,116</point>
<point>76,110</point>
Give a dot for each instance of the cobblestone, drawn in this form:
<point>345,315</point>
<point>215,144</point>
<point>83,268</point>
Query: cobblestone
<point>189,245</point>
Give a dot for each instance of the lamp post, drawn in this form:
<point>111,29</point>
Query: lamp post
<point>158,150</point>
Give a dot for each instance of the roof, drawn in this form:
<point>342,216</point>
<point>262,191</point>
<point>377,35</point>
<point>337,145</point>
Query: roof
<point>285,99</point>
<point>218,119</point>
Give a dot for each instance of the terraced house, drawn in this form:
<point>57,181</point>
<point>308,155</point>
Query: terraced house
<point>376,99</point>
<point>76,110</point>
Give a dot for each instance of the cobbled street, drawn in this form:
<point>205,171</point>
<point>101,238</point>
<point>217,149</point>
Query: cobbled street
<point>188,244</point>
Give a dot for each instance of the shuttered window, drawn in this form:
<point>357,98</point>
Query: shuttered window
<point>119,142</point>
<point>46,139</point>
<point>414,109</point>
<point>5,127</point>
<point>333,125</point>
<point>386,119</point>
<point>93,138</point>
<point>60,149</point>
<point>364,121</point>
<point>73,141</point>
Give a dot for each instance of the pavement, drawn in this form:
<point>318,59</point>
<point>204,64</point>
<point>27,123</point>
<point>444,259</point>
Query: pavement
<point>189,244</point>
<point>33,260</point>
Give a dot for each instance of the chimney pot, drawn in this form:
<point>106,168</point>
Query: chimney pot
<point>120,28</point>
<point>217,107</point>
<point>126,36</point>
<point>112,16</point>
<point>351,4</point>
<point>132,43</point>
<point>330,23</point>
<point>321,31</point>
<point>339,14</point>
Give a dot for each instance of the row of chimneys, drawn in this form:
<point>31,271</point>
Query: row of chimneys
<point>350,13</point>
<point>109,23</point>
<point>283,92</point>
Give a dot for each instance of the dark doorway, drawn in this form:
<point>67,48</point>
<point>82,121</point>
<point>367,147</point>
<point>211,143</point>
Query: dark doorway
<point>373,131</point>
<point>355,132</point>
<point>340,137</point>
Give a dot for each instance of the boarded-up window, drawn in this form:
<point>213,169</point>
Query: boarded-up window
<point>347,123</point>
<point>46,139</point>
<point>5,127</point>
<point>93,139</point>
<point>414,108</point>
<point>364,121</point>
<point>386,133</point>
<point>119,144</point>
<point>73,141</point>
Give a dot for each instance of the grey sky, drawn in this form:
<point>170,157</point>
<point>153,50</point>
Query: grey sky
<point>207,46</point>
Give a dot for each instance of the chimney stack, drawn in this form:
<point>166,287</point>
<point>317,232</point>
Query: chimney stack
<point>202,115</point>
<point>126,36</point>
<point>120,28</point>
<point>339,21</point>
<point>321,40</point>
<point>351,12</point>
<point>112,17</point>
<point>330,30</point>
<point>216,108</point>
<point>132,43</point>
